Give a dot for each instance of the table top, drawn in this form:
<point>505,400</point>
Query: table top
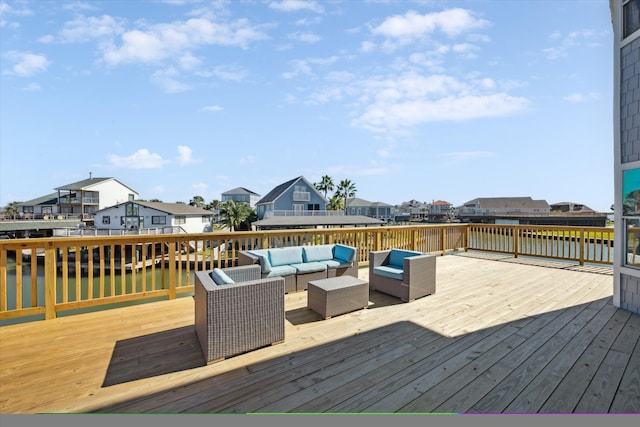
<point>337,282</point>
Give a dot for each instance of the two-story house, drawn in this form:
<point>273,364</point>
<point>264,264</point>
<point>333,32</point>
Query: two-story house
<point>172,217</point>
<point>440,211</point>
<point>79,199</point>
<point>241,195</point>
<point>296,197</point>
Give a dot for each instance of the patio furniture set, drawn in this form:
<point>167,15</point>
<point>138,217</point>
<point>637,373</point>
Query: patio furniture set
<point>239,309</point>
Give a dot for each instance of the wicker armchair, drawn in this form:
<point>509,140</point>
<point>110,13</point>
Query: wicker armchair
<point>404,274</point>
<point>244,314</point>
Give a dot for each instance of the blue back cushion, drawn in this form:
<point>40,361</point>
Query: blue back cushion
<point>220,277</point>
<point>263,254</point>
<point>285,256</point>
<point>397,256</point>
<point>346,253</point>
<point>317,253</point>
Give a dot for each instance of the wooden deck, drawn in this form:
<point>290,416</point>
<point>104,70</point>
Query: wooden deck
<point>496,337</point>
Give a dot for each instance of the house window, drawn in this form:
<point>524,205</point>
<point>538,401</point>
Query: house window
<point>106,219</point>
<point>206,218</point>
<point>158,220</point>
<point>180,219</point>
<point>313,207</point>
<point>133,209</point>
<point>631,17</point>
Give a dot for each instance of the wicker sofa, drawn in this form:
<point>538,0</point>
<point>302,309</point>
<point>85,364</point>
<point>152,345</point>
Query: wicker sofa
<point>298,265</point>
<point>237,311</point>
<point>404,274</point>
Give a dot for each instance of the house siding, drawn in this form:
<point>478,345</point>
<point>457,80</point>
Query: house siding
<point>630,293</point>
<point>629,102</point>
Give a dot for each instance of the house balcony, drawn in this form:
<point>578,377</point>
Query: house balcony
<point>270,214</point>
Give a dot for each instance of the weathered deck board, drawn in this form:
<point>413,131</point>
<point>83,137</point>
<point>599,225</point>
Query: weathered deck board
<point>512,335</point>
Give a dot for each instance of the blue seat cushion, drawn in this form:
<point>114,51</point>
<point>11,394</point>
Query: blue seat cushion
<point>397,256</point>
<point>346,253</point>
<point>389,271</point>
<point>220,277</point>
<point>281,270</point>
<point>337,263</point>
<point>309,267</point>
<point>285,256</point>
<point>317,253</point>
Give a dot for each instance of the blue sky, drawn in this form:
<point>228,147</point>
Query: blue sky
<point>425,100</point>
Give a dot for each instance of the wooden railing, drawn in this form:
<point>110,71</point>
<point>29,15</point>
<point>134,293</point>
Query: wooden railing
<point>44,277</point>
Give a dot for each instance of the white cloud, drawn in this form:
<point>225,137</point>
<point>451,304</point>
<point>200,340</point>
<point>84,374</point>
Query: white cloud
<point>212,108</point>
<point>32,87</point>
<point>225,72</point>
<point>83,28</point>
<point>166,79</point>
<point>583,97</point>
<point>296,5</point>
<point>572,40</point>
<point>6,10</point>
<point>396,103</point>
<point>165,41</point>
<point>185,156</point>
<point>27,63</point>
<point>305,37</point>
<point>413,25</point>
<point>248,160</point>
<point>141,159</point>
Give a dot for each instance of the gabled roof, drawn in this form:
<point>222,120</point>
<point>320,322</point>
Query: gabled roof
<point>441,202</point>
<point>240,190</point>
<point>170,208</point>
<point>49,199</point>
<point>89,182</point>
<point>510,203</point>
<point>355,201</point>
<point>280,189</point>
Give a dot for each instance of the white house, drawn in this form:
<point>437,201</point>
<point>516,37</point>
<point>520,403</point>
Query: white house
<point>79,199</point>
<point>134,215</point>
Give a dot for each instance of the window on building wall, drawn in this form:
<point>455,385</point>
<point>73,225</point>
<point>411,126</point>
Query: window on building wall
<point>631,17</point>
<point>631,215</point>
<point>106,220</point>
<point>158,220</point>
<point>133,209</point>
<point>313,207</point>
<point>180,219</point>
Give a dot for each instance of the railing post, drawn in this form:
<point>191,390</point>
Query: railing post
<point>516,241</point>
<point>443,237</point>
<point>582,246</point>
<point>50,281</point>
<point>172,270</point>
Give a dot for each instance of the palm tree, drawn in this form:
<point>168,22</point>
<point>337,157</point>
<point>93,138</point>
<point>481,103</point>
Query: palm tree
<point>197,201</point>
<point>215,206</point>
<point>325,185</point>
<point>234,214</point>
<point>346,189</point>
<point>11,209</point>
<point>335,203</point>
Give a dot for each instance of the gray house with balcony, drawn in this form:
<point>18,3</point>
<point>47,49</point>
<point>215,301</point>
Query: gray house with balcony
<point>296,197</point>
<point>379,210</point>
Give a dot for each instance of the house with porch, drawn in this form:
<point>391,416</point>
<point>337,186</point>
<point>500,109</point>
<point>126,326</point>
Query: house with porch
<point>134,215</point>
<point>379,210</point>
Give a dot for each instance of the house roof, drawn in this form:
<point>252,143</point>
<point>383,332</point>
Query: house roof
<point>278,190</point>
<point>170,208</point>
<point>240,190</point>
<point>310,221</point>
<point>510,203</point>
<point>441,202</point>
<point>89,182</point>
<point>49,199</point>
<point>355,201</point>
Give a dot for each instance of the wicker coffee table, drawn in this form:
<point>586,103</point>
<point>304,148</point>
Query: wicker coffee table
<point>337,295</point>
